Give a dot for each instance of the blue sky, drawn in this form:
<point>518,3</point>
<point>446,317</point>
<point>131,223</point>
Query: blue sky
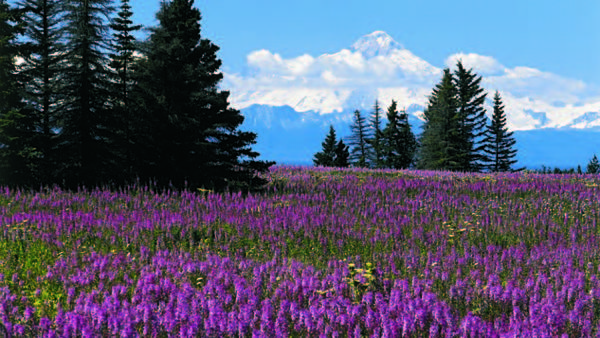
<point>561,37</point>
<point>542,56</point>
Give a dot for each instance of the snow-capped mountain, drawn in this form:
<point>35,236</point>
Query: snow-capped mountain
<point>291,102</point>
<point>378,43</point>
<point>378,67</point>
<point>335,82</point>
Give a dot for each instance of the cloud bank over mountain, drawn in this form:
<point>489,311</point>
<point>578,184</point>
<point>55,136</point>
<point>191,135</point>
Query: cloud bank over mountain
<point>376,66</point>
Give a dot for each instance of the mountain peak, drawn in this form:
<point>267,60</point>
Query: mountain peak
<point>376,43</point>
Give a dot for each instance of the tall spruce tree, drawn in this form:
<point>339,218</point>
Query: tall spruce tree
<point>499,142</point>
<point>41,69</point>
<point>399,141</point>
<point>84,119</point>
<point>439,146</point>
<point>472,118</point>
<point>361,150</point>
<point>593,167</point>
<point>123,113</point>
<point>17,152</point>
<point>192,131</point>
<point>326,157</point>
<point>408,140</point>
<point>342,155</point>
<point>376,140</point>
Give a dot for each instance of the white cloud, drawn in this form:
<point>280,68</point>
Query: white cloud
<point>481,64</point>
<point>265,61</point>
<point>523,73</point>
<point>536,84</point>
<point>354,78</point>
<point>300,64</point>
<point>342,69</point>
<point>522,81</point>
<point>331,77</point>
<point>344,61</point>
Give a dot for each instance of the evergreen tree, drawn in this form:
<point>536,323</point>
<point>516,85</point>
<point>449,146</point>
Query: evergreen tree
<point>579,169</point>
<point>341,155</point>
<point>42,65</point>
<point>84,119</point>
<point>376,140</point>
<point>399,141</point>
<point>326,157</point>
<point>593,166</point>
<point>361,150</point>
<point>408,140</point>
<point>17,153</point>
<point>189,127</point>
<point>439,147</point>
<point>122,64</point>
<point>499,141</point>
<point>473,120</point>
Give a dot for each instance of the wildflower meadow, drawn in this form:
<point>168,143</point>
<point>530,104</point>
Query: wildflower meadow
<point>320,253</point>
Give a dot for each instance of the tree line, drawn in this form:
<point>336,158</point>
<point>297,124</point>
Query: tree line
<point>82,102</point>
<point>593,167</point>
<point>456,136</point>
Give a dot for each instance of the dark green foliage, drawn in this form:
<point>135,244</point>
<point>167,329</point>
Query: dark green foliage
<point>556,170</point>
<point>499,141</point>
<point>544,170</point>
<point>123,117</point>
<point>341,155</point>
<point>361,150</point>
<point>326,157</point>
<point>579,169</point>
<point>439,148</point>
<point>593,166</point>
<point>408,140</point>
<point>83,143</point>
<point>189,133</point>
<point>17,134</point>
<point>17,156</point>
<point>71,117</point>
<point>399,143</point>
<point>376,140</point>
<point>41,72</point>
<point>334,153</point>
<point>473,121</point>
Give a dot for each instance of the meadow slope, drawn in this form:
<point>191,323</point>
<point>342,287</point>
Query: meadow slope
<point>348,253</point>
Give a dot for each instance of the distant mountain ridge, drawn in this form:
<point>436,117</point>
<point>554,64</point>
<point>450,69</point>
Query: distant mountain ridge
<point>290,137</point>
